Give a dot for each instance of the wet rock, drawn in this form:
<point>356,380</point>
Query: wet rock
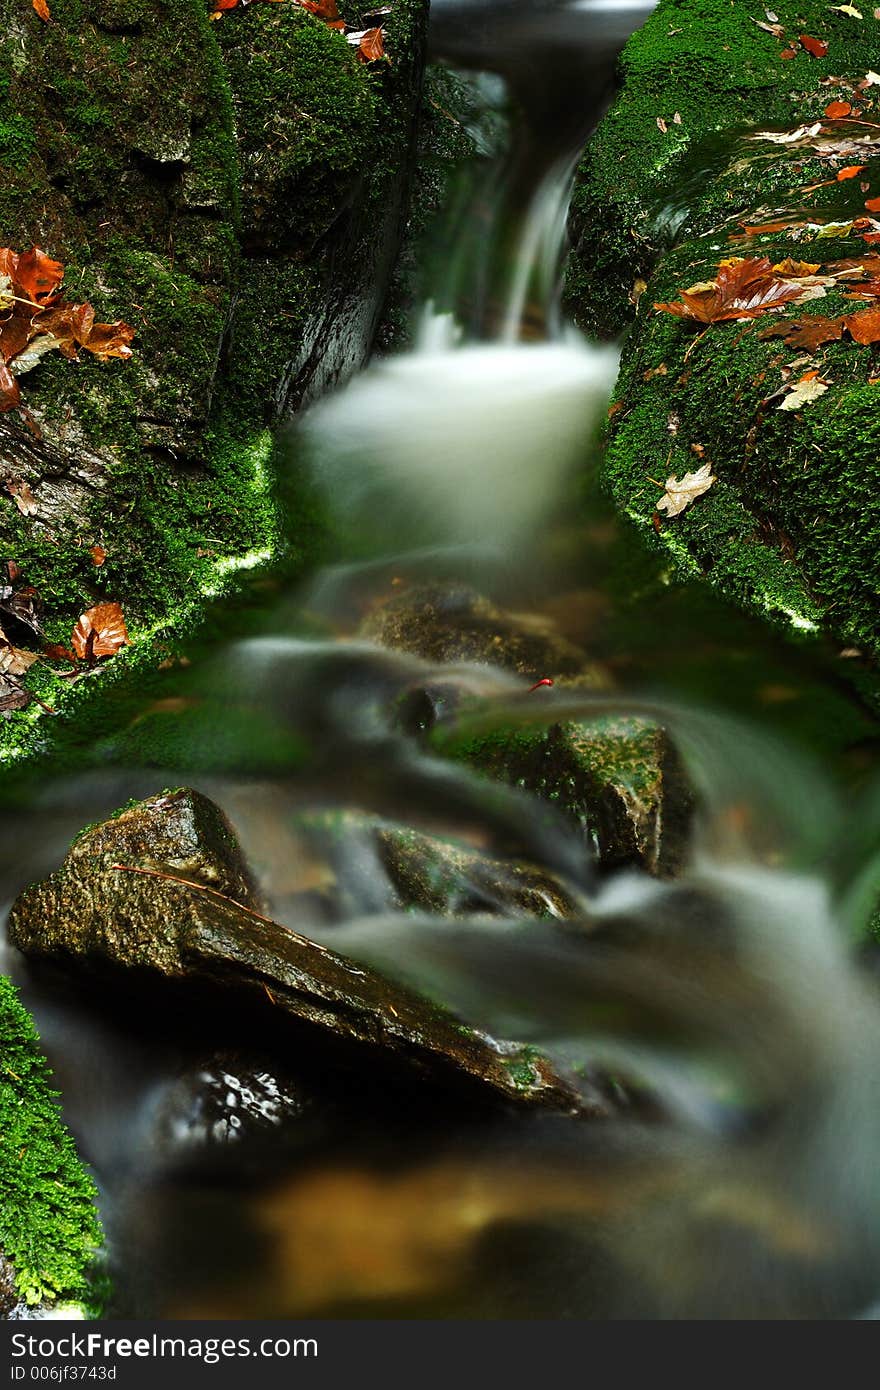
<point>453,623</point>
<point>350,864</point>
<point>145,929</point>
<point>619,779</point>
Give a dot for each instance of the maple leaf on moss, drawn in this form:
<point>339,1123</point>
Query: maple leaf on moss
<point>742,289</point>
<point>681,492</point>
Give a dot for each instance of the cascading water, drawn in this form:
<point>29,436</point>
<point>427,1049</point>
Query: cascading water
<point>723,1008</point>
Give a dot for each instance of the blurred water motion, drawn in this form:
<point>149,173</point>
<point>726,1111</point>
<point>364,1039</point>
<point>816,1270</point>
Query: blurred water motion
<point>732,1024</point>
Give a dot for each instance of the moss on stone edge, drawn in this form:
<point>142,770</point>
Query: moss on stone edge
<point>48,1225</point>
<point>218,243</point>
<point>791,529</point>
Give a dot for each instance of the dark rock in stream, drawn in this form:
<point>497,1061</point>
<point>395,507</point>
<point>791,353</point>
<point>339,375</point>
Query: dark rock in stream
<point>452,623</point>
<point>350,863</point>
<point>116,909</point>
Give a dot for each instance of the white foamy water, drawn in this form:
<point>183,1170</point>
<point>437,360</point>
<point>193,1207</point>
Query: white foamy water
<point>460,444</point>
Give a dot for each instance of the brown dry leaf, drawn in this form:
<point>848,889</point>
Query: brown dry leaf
<point>100,632</point>
<point>13,695</point>
<point>98,554</point>
<point>807,333</point>
<point>817,48</point>
<point>13,660</point>
<point>24,499</point>
<point>742,289</point>
<point>864,326</point>
<point>681,492</point>
<point>372,46</point>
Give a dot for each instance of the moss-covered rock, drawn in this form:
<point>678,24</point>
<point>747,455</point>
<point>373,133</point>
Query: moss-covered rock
<point>618,780</point>
<point>791,528</point>
<point>158,916</point>
<point>49,1231</point>
<point>235,191</point>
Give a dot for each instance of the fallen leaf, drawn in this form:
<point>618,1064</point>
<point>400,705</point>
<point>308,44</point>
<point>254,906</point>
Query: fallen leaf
<point>24,499</point>
<point>847,10</point>
<point>661,125</point>
<point>873,204</point>
<point>98,554</point>
<point>850,172</point>
<point>788,53</point>
<point>864,326</point>
<point>42,10</point>
<point>13,660</point>
<point>775,29</point>
<point>681,492</point>
<point>807,333</point>
<point>100,632</point>
<point>791,269</point>
<point>13,695</point>
<point>836,110</point>
<point>807,390</point>
<point>370,44</point>
<point>816,47</point>
<point>742,289</point>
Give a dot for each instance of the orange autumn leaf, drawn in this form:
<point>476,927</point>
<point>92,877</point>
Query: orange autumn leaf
<point>864,326</point>
<point>837,109</point>
<point>788,53</point>
<point>850,172</point>
<point>742,289</point>
<point>816,47</point>
<point>98,554</point>
<point>101,631</point>
<point>372,46</point>
<point>323,9</point>
<point>873,205</point>
<point>42,10</point>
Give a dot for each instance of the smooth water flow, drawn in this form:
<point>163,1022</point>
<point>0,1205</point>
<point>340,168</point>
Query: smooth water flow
<point>721,1011</point>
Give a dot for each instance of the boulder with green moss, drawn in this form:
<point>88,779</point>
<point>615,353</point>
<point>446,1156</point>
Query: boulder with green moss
<point>668,186</point>
<point>49,1231</point>
<point>156,902</point>
<point>618,780</point>
<point>236,192</point>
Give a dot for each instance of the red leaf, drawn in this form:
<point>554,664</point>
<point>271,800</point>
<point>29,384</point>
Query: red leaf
<point>850,172</point>
<point>100,632</point>
<point>42,10</point>
<point>817,47</point>
<point>323,9</point>
<point>838,109</point>
<point>873,204</point>
<point>788,53</point>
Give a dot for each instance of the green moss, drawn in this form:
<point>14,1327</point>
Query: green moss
<point>790,529</point>
<point>194,177</point>
<point>48,1225</point>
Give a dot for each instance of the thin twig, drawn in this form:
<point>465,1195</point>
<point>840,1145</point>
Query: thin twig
<point>188,883</point>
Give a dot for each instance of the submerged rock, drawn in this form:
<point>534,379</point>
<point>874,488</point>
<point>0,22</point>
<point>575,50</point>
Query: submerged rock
<point>619,780</point>
<point>351,864</point>
<point>673,183</point>
<point>117,909</point>
<point>49,1231</point>
<point>452,623</point>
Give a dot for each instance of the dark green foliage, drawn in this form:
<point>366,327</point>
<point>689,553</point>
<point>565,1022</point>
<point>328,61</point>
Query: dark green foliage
<point>48,1225</point>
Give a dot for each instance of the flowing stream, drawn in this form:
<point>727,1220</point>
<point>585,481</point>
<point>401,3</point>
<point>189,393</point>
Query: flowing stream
<point>727,1007</point>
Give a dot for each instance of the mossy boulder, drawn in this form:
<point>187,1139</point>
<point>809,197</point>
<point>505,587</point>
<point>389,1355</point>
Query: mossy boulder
<point>234,190</point>
<point>49,1231</point>
<point>140,909</point>
<point>618,780</point>
<point>667,188</point>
